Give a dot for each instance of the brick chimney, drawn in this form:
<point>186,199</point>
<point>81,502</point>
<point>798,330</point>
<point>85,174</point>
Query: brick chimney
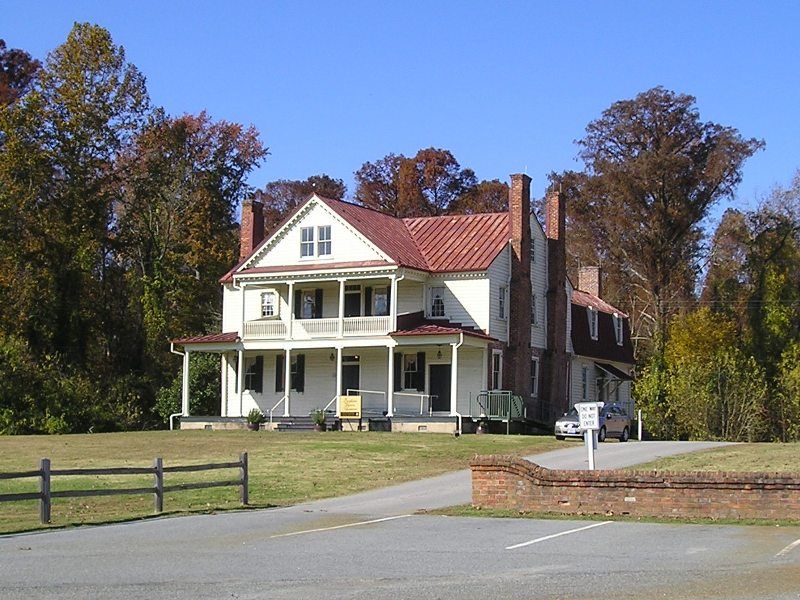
<point>590,280</point>
<point>252,228</point>
<point>517,364</point>
<point>555,367</point>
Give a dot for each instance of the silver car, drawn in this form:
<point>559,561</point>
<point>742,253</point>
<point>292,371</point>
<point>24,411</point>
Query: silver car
<point>614,422</point>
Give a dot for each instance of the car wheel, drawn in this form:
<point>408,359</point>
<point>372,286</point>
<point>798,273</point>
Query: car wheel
<point>601,435</point>
<point>559,437</point>
<point>625,435</point>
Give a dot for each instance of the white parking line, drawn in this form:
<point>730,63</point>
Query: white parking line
<point>789,548</point>
<point>339,526</point>
<point>555,535</point>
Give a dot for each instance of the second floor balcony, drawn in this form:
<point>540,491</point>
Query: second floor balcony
<point>304,329</point>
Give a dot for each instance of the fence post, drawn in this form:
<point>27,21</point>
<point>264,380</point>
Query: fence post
<point>44,490</point>
<point>158,489</point>
<point>244,477</point>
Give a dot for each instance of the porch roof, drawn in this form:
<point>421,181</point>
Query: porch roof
<point>614,371</point>
<point>417,324</point>
<point>213,338</point>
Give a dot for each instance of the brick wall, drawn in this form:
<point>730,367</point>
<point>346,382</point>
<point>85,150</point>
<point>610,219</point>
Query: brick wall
<point>511,483</point>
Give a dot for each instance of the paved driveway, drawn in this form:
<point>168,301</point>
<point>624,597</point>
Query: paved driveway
<point>362,547</point>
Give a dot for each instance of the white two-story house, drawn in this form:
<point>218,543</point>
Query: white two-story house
<point>419,317</point>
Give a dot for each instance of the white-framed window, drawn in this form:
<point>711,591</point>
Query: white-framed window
<point>324,240</point>
<point>584,384</point>
<point>497,369</point>
<point>380,301</point>
<point>306,242</point>
<point>269,305</point>
<point>533,249</point>
<point>437,301</point>
<point>308,304</point>
<point>618,332</point>
<point>592,314</point>
<point>502,297</point>
<point>534,310</point>
<point>410,371</point>
<point>534,377</point>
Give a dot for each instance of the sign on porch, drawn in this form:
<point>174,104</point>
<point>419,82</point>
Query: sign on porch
<point>350,407</point>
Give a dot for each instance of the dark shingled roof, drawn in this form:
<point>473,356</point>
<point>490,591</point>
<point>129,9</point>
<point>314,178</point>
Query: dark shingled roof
<point>214,338</point>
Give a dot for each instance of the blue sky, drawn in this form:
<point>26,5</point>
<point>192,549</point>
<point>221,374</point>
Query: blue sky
<point>506,86</point>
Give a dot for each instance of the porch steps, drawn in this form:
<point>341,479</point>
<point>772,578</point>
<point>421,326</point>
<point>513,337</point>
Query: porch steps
<point>303,424</point>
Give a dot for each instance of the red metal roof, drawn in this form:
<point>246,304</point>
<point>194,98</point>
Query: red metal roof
<point>431,329</point>
<point>315,267</point>
<point>586,299</point>
<point>214,338</point>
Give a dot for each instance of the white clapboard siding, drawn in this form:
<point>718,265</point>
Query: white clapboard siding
<point>346,245</point>
<point>499,274</point>
<point>410,297</point>
<point>577,363</point>
<point>465,299</point>
<point>470,377</point>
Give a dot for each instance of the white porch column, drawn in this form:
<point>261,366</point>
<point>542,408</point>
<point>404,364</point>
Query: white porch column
<point>390,386</point>
<point>241,323</point>
<point>338,376</point>
<point>341,313</point>
<point>240,381</point>
<point>287,381</point>
<point>393,303</point>
<point>485,373</point>
<point>290,302</point>
<point>223,387</point>
<point>185,389</point>
<point>454,380</point>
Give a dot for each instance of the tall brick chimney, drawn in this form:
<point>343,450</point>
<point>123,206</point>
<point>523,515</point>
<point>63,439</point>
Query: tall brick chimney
<point>251,231</point>
<point>555,363</point>
<point>517,364</point>
<point>590,280</point>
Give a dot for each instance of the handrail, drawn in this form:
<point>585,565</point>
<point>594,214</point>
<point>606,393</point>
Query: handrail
<point>327,406</point>
<point>422,399</point>
<point>271,410</point>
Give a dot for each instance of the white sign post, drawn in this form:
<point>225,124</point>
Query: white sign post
<point>589,423</point>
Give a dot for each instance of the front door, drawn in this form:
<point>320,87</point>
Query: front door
<point>350,378</point>
<point>439,387</point>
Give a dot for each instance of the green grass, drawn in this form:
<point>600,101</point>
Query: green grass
<point>285,468</point>
<point>765,457</point>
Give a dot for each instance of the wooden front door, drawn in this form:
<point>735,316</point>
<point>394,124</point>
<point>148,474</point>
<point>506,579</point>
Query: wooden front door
<point>439,377</point>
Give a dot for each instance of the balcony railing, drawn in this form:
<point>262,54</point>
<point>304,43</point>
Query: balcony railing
<point>303,329</point>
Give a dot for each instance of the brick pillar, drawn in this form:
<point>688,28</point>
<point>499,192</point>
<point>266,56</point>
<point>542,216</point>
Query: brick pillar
<point>517,367</point>
<point>555,362</point>
<point>251,231</point>
<point>590,280</point>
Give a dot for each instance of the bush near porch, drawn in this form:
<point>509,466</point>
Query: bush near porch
<point>285,468</point>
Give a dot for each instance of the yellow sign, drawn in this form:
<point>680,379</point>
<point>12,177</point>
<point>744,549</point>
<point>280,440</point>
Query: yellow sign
<point>350,407</point>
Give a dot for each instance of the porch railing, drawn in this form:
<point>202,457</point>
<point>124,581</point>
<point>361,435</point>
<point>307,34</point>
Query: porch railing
<point>367,325</point>
<point>317,328</point>
<point>265,329</point>
<point>410,404</point>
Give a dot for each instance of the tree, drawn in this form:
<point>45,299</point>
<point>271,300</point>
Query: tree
<point>282,196</point>
<point>485,197</point>
<point>653,171</point>
<point>17,72</point>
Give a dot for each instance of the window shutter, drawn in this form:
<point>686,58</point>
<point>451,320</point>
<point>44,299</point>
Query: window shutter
<point>398,371</point>
<point>298,299</point>
<point>420,371</point>
<point>367,301</point>
<point>299,384</point>
<point>279,360</point>
<point>318,303</point>
<point>258,376</point>
<point>389,300</point>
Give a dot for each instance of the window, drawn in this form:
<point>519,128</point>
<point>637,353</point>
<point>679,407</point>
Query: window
<point>534,311</point>
<point>601,388</point>
<point>254,374</point>
<point>497,370</point>
<point>324,243</point>
<point>268,306</point>
<point>410,371</point>
<point>306,241</point>
<point>297,372</point>
<point>535,377</point>
<point>380,301</point>
<point>501,301</point>
<point>308,307</point>
<point>533,250</point>
<point>437,301</point>
<point>584,384</point>
<point>352,301</point>
<point>592,314</point>
<point>618,332</point>
<point>616,391</point>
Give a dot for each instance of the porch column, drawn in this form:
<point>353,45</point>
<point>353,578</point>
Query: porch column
<point>290,302</point>
<point>393,303</point>
<point>240,381</point>
<point>454,380</point>
<point>390,386</point>
<point>223,388</point>
<point>341,313</point>
<point>287,381</point>
<point>185,389</point>
<point>485,374</point>
<point>338,377</point>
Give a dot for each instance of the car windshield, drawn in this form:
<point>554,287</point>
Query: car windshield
<point>573,412</point>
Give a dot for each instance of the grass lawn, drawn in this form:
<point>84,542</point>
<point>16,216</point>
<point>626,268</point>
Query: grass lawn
<point>285,468</point>
<point>764,457</point>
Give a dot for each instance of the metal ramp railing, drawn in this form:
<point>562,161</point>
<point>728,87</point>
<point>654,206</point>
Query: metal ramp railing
<point>498,405</point>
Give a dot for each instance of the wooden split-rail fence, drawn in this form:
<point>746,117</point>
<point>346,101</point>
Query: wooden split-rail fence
<point>45,473</point>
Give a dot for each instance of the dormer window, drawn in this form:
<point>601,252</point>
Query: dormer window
<point>437,302</point>
<point>268,305</point>
<point>618,331</point>
<point>592,314</point>
<point>306,242</point>
<point>324,240</point>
